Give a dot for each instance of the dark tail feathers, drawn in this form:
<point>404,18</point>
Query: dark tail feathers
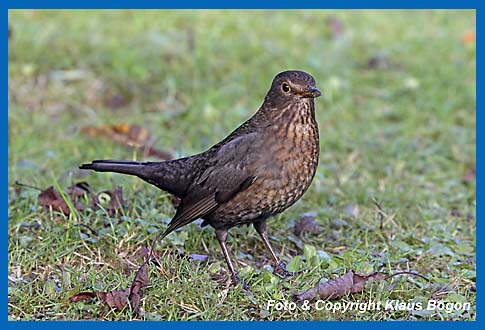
<point>118,166</point>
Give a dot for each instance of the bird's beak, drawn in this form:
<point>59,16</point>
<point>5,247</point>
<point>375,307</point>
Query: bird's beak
<point>310,92</point>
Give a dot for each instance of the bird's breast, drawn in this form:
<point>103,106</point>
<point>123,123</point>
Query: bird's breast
<point>295,157</point>
<point>284,169</point>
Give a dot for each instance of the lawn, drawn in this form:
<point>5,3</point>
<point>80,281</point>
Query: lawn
<point>395,188</point>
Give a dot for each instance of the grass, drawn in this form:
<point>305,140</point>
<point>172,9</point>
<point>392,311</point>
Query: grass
<point>397,123</point>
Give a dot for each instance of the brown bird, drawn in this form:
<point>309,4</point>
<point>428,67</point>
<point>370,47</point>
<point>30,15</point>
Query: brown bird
<point>259,170</point>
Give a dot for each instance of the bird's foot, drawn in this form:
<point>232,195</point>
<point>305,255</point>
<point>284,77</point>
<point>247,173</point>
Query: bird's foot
<point>280,270</point>
<point>236,281</point>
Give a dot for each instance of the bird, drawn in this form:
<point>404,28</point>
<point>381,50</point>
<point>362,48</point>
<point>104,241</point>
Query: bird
<point>260,169</point>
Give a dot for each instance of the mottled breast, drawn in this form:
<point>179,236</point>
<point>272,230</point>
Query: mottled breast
<point>285,170</point>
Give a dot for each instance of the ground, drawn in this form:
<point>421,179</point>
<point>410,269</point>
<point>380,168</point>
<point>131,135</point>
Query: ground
<point>397,125</point>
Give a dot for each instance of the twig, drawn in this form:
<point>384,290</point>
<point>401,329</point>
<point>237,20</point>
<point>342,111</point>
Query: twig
<point>27,186</point>
<point>406,273</point>
<point>380,213</point>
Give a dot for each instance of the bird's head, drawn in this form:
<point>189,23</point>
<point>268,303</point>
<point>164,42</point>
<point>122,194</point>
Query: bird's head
<point>292,87</point>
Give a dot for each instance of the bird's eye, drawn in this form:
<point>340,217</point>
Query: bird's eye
<point>285,87</point>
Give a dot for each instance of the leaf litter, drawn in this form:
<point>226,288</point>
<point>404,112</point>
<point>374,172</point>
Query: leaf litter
<point>349,283</point>
<point>51,198</point>
<point>119,299</point>
<point>132,136</point>
<point>111,200</point>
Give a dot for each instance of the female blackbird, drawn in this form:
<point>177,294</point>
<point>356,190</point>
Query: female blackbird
<point>259,170</point>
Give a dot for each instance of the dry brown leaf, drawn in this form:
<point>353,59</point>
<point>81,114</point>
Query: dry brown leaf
<point>83,296</point>
<point>130,136</point>
<point>118,299</point>
<point>336,288</point>
<point>140,282</point>
<point>349,283</point>
<point>51,198</point>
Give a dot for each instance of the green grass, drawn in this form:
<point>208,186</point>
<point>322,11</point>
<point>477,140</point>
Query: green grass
<point>404,135</point>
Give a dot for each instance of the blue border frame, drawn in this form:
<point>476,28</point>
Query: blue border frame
<point>212,4</point>
<point>248,4</point>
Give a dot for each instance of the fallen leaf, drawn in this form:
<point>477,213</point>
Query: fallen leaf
<point>128,135</point>
<point>307,224</point>
<point>336,288</point>
<point>140,282</point>
<point>83,296</point>
<point>51,198</point>
<point>349,283</point>
<point>118,299</point>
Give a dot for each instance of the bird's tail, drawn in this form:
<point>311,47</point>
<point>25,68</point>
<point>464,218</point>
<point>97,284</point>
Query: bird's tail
<point>118,166</point>
<point>172,176</point>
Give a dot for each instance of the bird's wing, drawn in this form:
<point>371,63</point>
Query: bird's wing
<point>228,173</point>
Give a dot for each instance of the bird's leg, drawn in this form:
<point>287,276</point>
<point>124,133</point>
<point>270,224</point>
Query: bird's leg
<point>221,235</point>
<point>280,267</point>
